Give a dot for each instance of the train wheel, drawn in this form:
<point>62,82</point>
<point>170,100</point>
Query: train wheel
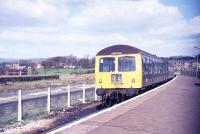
<point>116,98</point>
<point>119,97</point>
<point>113,98</point>
<point>102,98</point>
<point>108,102</point>
<point>125,97</point>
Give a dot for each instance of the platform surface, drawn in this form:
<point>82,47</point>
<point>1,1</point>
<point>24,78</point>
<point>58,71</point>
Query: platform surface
<point>170,109</point>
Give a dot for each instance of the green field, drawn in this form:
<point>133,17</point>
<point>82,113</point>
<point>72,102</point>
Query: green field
<point>53,71</point>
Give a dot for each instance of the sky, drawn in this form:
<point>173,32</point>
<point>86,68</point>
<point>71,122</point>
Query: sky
<point>47,28</point>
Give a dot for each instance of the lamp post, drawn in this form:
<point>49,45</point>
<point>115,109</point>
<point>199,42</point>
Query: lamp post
<point>197,61</point>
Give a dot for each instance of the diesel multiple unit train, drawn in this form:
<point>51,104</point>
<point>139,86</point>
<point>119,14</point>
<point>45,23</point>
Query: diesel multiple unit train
<point>123,70</point>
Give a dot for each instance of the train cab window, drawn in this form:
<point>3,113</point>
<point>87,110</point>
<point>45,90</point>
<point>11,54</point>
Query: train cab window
<point>126,64</point>
<point>107,65</point>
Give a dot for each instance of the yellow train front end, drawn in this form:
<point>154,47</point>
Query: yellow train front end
<point>123,70</point>
<point>121,73</point>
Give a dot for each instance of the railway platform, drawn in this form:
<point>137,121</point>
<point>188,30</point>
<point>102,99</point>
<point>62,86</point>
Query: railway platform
<point>172,108</point>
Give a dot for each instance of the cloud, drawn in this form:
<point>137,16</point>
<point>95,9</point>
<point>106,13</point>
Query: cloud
<point>124,16</point>
<point>49,27</point>
<point>31,13</point>
<point>150,18</point>
<point>180,29</point>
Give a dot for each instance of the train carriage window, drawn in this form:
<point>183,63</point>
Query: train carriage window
<point>107,64</point>
<point>126,64</point>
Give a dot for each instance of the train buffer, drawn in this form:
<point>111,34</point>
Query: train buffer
<point>173,108</point>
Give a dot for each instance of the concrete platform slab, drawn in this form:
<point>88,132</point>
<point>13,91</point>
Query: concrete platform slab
<point>170,109</point>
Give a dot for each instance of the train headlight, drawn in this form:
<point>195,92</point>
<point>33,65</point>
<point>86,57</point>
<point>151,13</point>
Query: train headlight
<point>100,81</point>
<point>133,80</point>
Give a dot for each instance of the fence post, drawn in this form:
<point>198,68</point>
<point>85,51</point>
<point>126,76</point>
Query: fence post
<point>49,100</point>
<point>95,94</point>
<point>83,93</point>
<point>19,106</point>
<point>68,96</point>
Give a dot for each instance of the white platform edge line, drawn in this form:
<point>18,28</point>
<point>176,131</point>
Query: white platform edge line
<point>108,109</point>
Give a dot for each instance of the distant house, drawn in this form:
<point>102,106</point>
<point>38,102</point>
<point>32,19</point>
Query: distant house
<point>39,66</point>
<point>8,65</point>
<point>69,66</point>
<point>66,66</point>
<point>18,66</point>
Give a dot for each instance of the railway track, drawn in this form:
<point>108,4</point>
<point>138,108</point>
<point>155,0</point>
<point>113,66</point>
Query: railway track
<point>95,109</point>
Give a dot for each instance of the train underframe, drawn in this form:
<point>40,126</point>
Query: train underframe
<point>114,96</point>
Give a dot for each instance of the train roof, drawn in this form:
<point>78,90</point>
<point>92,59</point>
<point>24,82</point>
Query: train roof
<point>123,49</point>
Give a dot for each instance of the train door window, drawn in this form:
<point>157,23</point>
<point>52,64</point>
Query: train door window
<point>144,65</point>
<point>126,64</point>
<point>153,66</point>
<point>107,64</point>
<point>160,67</point>
<point>150,66</point>
<point>147,60</point>
<point>157,68</point>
